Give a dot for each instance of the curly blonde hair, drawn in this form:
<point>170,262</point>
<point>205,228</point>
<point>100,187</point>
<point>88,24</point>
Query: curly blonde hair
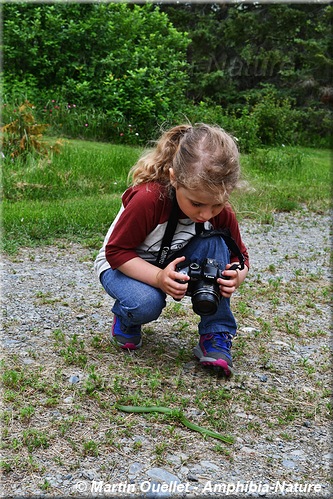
<point>202,157</point>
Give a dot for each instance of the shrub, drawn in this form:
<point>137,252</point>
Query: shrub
<point>275,119</point>
<point>238,122</point>
<point>85,122</point>
<point>22,136</point>
<point>314,127</point>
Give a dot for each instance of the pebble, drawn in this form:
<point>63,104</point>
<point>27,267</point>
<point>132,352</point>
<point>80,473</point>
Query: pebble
<point>287,463</point>
<point>162,475</point>
<point>209,465</point>
<point>74,379</point>
<point>134,469</point>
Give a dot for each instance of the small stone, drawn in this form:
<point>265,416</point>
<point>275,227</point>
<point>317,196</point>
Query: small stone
<point>249,329</point>
<point>56,414</point>
<point>247,450</point>
<point>174,460</point>
<point>28,361</point>
<point>135,468</point>
<point>287,463</point>
<point>189,366</point>
<point>298,452</point>
<point>90,475</point>
<point>74,379</point>
<point>263,378</point>
<point>241,415</point>
<point>162,475</point>
<point>209,465</point>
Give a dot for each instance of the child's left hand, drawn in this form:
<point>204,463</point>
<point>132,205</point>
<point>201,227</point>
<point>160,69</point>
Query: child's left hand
<point>229,286</point>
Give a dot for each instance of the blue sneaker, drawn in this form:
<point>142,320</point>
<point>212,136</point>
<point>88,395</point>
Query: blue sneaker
<point>214,350</point>
<point>126,338</point>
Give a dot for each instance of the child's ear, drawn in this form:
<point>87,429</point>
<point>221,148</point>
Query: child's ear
<point>173,181</point>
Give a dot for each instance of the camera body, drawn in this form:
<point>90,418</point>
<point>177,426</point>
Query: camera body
<point>202,286</point>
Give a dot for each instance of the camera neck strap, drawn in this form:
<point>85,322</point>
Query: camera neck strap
<point>168,234</point>
<point>199,229</point>
<point>229,241</point>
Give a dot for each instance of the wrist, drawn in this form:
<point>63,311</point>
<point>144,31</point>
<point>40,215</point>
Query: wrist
<point>157,278</point>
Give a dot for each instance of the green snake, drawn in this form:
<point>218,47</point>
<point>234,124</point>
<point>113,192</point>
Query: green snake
<point>176,414</point>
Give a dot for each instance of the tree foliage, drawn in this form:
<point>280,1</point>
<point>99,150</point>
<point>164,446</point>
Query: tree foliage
<point>235,49</point>
<point>126,59</point>
<point>263,70</point>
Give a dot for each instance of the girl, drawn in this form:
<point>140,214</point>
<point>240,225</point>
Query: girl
<point>198,167</point>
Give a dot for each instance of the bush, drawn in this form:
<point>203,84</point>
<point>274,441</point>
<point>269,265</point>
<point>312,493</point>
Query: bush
<point>19,89</point>
<point>127,62</point>
<point>314,127</point>
<point>22,135</point>
<point>275,119</point>
<point>238,123</point>
<point>267,119</point>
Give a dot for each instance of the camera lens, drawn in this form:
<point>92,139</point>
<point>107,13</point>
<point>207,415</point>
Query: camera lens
<point>205,301</point>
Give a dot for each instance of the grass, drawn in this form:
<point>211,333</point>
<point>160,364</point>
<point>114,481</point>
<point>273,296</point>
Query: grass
<point>285,180</point>
<point>49,422</point>
<point>31,393</point>
<point>76,194</point>
<point>40,425</point>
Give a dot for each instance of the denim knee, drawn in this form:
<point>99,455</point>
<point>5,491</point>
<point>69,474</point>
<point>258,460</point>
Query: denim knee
<point>141,309</point>
<point>211,247</point>
<point>136,303</point>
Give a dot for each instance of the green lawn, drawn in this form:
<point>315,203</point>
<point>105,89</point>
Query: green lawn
<point>76,194</point>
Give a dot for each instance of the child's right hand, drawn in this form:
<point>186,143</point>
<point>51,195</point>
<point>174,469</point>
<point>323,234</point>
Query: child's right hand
<point>167,280</point>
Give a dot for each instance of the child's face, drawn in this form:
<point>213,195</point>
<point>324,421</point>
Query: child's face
<point>199,206</point>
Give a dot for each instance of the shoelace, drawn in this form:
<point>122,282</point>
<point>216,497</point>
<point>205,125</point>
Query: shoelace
<point>131,331</point>
<point>222,341</point>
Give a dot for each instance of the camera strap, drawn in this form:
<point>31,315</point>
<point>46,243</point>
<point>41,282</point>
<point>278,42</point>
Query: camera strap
<point>168,234</point>
<point>229,241</point>
<point>199,229</point>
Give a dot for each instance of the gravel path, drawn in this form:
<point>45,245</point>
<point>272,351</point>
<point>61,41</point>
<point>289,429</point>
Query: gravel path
<point>52,289</point>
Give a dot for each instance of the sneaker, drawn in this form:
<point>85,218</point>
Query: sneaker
<point>214,350</point>
<point>126,338</point>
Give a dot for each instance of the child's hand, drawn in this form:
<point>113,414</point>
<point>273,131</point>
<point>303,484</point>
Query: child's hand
<point>229,285</point>
<point>167,280</point>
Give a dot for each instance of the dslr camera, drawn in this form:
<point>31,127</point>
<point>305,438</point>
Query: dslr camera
<point>202,286</point>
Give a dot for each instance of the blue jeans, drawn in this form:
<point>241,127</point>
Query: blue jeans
<point>138,303</point>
